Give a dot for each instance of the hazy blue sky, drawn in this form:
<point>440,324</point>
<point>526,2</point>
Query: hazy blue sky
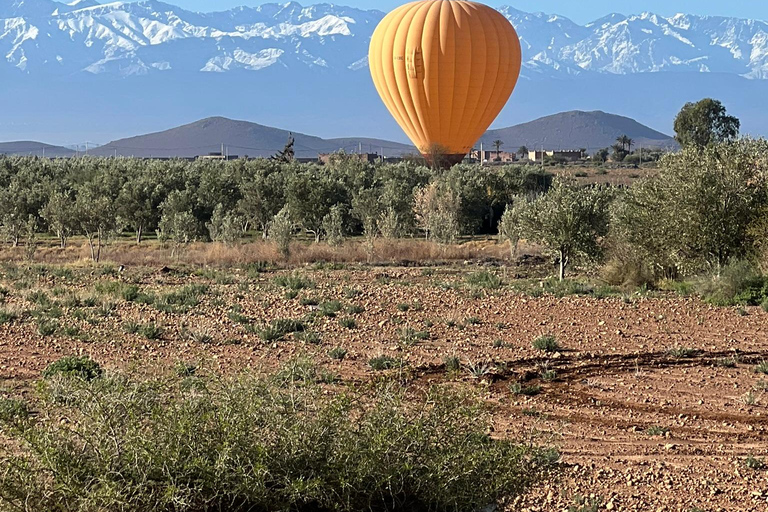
<point>578,11</point>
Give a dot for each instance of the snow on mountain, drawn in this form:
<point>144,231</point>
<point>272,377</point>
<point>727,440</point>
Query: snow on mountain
<point>121,38</point>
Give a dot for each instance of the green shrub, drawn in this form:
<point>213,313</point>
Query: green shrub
<point>656,430</point>
<point>452,363</point>
<point>131,327</point>
<point>384,363</point>
<point>355,309</point>
<point>738,284</point>
<point>681,352</point>
<point>279,328</point>
<point>337,353</point>
<point>151,331</point>
<point>181,300</point>
<point>483,279</point>
<point>259,444</point>
<point>348,322</point>
<point>309,337</point>
<point>47,327</point>
<point>293,282</point>
<point>411,337</point>
<point>546,343</point>
<point>7,317</point>
<point>520,389</point>
<point>73,366</point>
<point>762,367</point>
<point>330,308</point>
<point>753,462</point>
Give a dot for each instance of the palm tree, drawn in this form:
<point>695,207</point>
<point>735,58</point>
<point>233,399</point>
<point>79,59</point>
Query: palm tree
<point>497,144</point>
<point>630,143</point>
<point>523,150</point>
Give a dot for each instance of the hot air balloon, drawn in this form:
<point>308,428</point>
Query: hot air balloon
<point>444,69</point>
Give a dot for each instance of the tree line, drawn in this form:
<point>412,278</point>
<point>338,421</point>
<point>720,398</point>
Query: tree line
<point>181,201</point>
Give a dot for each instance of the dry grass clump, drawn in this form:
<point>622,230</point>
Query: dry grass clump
<point>151,253</point>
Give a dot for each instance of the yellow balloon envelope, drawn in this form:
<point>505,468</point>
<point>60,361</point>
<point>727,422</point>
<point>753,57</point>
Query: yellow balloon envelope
<point>444,69</point>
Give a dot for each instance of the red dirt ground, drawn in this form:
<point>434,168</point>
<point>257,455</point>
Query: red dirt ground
<point>614,376</point>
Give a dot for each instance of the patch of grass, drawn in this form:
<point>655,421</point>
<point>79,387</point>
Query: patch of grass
<point>151,331</point>
<point>384,363</point>
<point>583,503</point>
<point>71,331</point>
<point>337,353</point>
<point>290,294</point>
<point>184,369</point>
<point>348,322</point>
<point>351,293</point>
<point>727,362</point>
<point>279,328</point>
<point>478,370</point>
<point>7,317</point>
<point>546,343</point>
<point>131,327</point>
<point>548,375</point>
<point>47,327</point>
<point>308,337</point>
<point>202,337</point>
<point>483,279</point>
<point>309,301</point>
<point>238,318</point>
<point>679,352</point>
<point>355,309</point>
<point>499,343</point>
<point>452,363</point>
<point>410,337</point>
<point>655,430</point>
<point>293,282</point>
<point>754,463</point>
<point>403,307</point>
<point>472,320</point>
<point>181,300</point>
<point>520,389</point>
<point>330,308</point>
<point>82,367</point>
<point>762,367</point>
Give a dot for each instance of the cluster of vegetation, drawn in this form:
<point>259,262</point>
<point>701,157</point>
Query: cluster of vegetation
<point>182,201</point>
<point>704,213</point>
<point>94,440</point>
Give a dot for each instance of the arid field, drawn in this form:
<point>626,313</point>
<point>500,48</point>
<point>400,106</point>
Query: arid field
<point>656,401</point>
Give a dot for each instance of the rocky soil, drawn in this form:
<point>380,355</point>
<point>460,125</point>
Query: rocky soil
<point>655,401</point>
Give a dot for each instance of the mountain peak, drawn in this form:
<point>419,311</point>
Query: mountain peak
<point>576,129</point>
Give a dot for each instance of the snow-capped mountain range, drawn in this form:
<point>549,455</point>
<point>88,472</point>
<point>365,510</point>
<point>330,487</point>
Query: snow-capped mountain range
<point>99,72</point>
<point>49,37</point>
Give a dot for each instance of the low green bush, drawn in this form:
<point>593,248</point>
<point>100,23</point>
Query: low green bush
<point>191,443</point>
<point>484,279</point>
<point>546,343</point>
<point>738,284</point>
<point>74,366</point>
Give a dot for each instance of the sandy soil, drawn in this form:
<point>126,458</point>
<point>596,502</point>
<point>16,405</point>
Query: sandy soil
<point>614,377</point>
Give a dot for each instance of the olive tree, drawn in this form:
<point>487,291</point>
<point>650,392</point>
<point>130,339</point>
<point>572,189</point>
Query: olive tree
<point>177,223</point>
<point>59,213</point>
<point>696,214</point>
<point>569,220</point>
<point>96,217</point>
